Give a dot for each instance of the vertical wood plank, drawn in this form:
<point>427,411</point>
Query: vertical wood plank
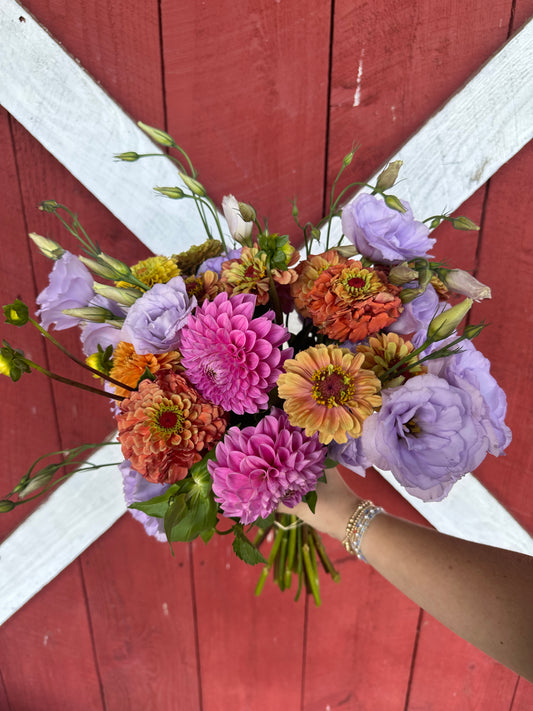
<point>246,92</point>
<point>41,637</point>
<point>523,699</point>
<point>142,611</point>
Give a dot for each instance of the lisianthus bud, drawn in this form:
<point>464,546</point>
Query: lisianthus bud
<point>48,206</point>
<point>119,267</point>
<point>16,313</point>
<point>408,295</point>
<point>348,250</point>
<point>240,229</point>
<point>463,223</point>
<point>394,203</point>
<point>462,282</point>
<point>446,322</point>
<point>173,193</point>
<point>401,274</point>
<point>6,505</point>
<point>194,185</point>
<point>41,479</point>
<point>157,135</point>
<point>125,296</point>
<point>247,211</point>
<point>130,156</point>
<point>95,314</point>
<point>48,247</point>
<point>473,330</point>
<point>387,177</point>
<point>348,158</point>
<point>100,270</point>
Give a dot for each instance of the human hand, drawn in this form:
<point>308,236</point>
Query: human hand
<point>335,504</point>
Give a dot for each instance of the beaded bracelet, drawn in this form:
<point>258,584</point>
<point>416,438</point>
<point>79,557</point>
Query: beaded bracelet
<point>357,525</point>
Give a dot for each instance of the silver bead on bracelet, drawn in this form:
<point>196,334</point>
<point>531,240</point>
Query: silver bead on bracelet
<point>357,525</point>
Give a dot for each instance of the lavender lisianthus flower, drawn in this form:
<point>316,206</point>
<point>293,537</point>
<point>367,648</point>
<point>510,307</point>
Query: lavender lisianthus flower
<point>470,370</point>
<point>214,264</point>
<point>382,234</point>
<point>70,287</point>
<point>417,315</point>
<point>350,455</point>
<point>154,321</point>
<point>427,434</point>
<point>136,489</point>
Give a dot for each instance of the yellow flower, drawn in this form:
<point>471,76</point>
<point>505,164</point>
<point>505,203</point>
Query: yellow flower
<point>154,270</point>
<point>383,351</point>
<point>327,391</point>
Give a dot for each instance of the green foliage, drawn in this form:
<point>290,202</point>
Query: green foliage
<point>244,548</point>
<point>17,313</point>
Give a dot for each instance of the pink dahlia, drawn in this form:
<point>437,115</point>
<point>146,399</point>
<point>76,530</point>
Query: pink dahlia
<point>165,427</point>
<point>232,358</point>
<point>258,467</point>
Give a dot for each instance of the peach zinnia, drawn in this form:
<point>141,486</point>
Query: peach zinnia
<point>326,391</point>
<point>166,426</point>
<point>350,302</point>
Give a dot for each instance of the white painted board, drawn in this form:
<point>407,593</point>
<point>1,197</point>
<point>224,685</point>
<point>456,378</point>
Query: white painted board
<point>81,125</point>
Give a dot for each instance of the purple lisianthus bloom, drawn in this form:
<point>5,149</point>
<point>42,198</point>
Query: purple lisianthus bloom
<point>258,467</point>
<point>70,287</point>
<point>154,321</point>
<point>350,455</point>
<point>214,264</point>
<point>103,334</point>
<point>382,234</point>
<point>470,370</point>
<point>428,434</point>
<point>417,315</point>
<point>136,489</point>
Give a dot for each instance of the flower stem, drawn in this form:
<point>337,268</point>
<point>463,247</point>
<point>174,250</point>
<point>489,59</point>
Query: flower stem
<point>271,558</point>
<point>68,381</point>
<point>324,558</point>
<point>62,348</point>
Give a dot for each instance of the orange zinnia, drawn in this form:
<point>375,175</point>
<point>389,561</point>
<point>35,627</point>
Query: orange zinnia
<point>129,366</point>
<point>349,302</point>
<point>308,272</point>
<point>326,391</point>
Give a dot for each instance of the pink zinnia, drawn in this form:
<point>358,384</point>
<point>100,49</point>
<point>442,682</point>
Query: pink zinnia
<point>258,467</point>
<point>233,359</point>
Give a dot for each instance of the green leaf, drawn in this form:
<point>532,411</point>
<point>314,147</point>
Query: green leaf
<point>310,499</point>
<point>267,522</point>
<point>329,464</point>
<point>245,549</point>
<point>158,505</point>
<point>174,513</point>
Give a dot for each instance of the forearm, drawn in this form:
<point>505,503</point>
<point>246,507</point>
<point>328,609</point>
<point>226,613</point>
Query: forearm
<point>483,594</point>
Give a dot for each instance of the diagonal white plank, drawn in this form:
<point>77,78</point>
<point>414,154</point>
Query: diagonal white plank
<point>477,131</point>
<point>81,125</point>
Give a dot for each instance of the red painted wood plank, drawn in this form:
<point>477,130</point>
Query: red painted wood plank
<point>411,61</point>
<point>46,651</point>
<point>358,643</point>
<point>142,612</point>
<point>452,674</point>
<point>246,92</point>
<point>250,647</point>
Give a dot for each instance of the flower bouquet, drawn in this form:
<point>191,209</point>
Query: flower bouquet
<point>240,369</point>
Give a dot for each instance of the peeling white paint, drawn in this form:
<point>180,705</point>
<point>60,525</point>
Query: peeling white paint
<point>165,609</point>
<point>45,640</point>
<point>357,95</point>
<point>228,566</point>
<point>393,112</point>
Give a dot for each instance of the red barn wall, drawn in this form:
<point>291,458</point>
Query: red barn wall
<point>261,94</point>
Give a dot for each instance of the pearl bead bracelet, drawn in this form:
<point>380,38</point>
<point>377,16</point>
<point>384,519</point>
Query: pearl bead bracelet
<point>357,525</point>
